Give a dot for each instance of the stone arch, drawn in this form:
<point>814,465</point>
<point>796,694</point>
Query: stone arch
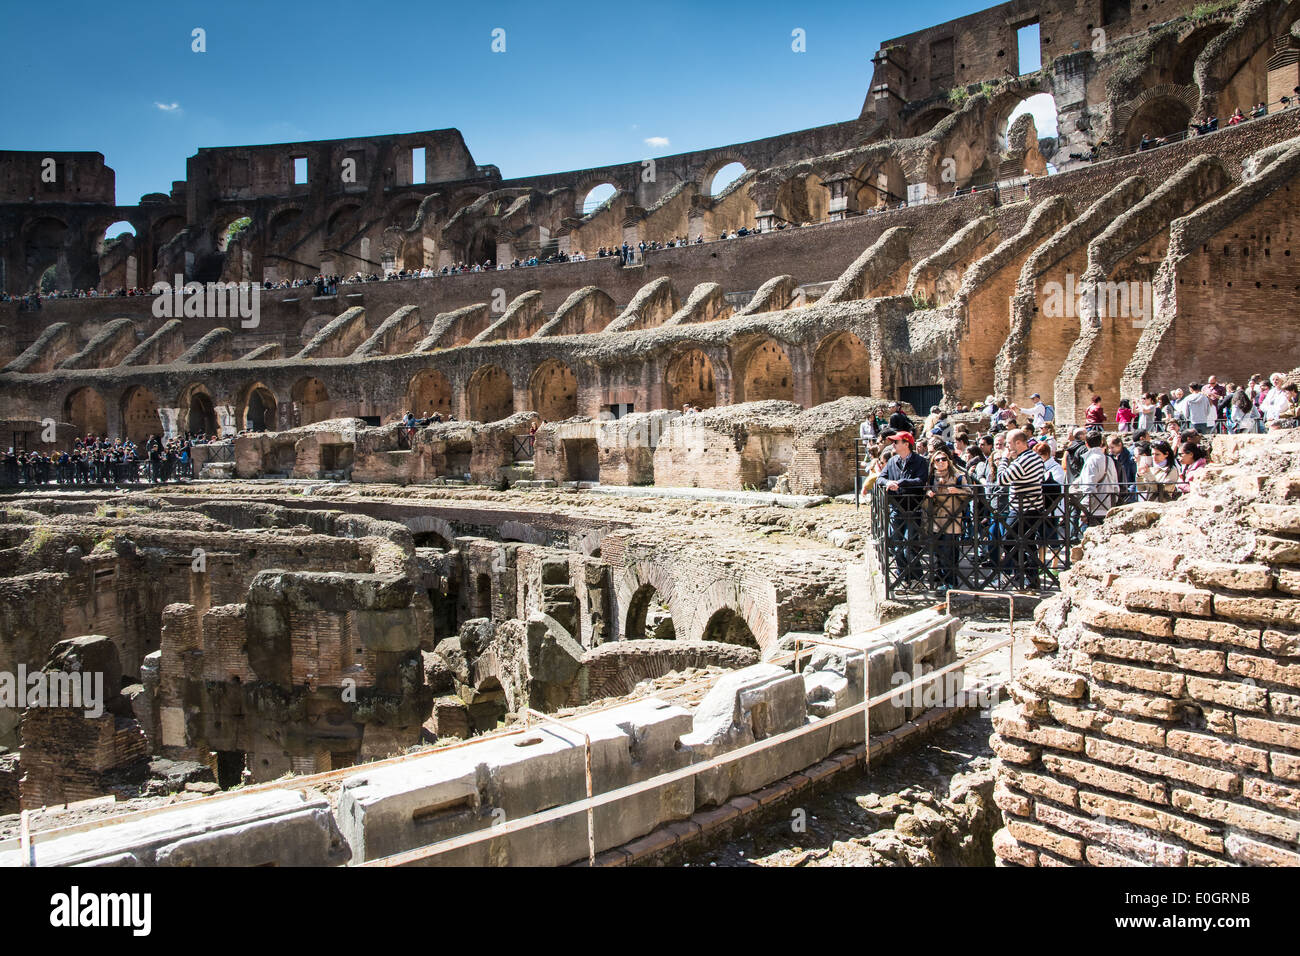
<point>802,199</point>
<point>429,393</point>
<point>44,245</point>
<point>582,207</point>
<point>258,409</point>
<point>841,367</point>
<point>197,411</point>
<point>883,183</point>
<point>140,415</point>
<point>283,223</point>
<point>639,586</point>
<point>689,379</point>
<point>221,222</point>
<point>730,599</point>
<point>926,120</point>
<point>648,616</point>
<point>86,410</point>
<point>765,372</point>
<point>490,394</point>
<point>554,391</point>
<point>726,625</point>
<point>710,171</point>
<point>1161,111</point>
<point>311,400</point>
<point>345,215</point>
<point>433,531</point>
<point>1182,63</point>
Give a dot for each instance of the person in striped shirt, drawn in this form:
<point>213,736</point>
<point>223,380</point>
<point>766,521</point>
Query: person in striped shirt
<point>1023,474</point>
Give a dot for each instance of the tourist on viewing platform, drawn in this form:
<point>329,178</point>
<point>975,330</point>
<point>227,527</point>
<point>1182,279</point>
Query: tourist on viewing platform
<point>897,420</point>
<point>1197,410</point>
<point>1125,465</point>
<point>1023,475</point>
<point>1243,416</point>
<point>930,419</point>
<point>1054,484</point>
<point>1147,412</point>
<point>1274,401</point>
<point>1095,416</point>
<point>947,493</point>
<point>1041,412</point>
<point>1097,481</point>
<point>905,477</point>
<point>1236,117</point>
<point>1161,472</point>
<point>1260,110</point>
<point>1191,464</point>
<point>1125,416</point>
<point>1289,416</point>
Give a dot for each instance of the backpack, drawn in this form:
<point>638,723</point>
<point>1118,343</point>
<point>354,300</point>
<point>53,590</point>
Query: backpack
<point>1049,413</point>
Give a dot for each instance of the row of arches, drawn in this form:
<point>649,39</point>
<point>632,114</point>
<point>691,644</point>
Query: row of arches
<point>764,371</point>
<point>650,616</point>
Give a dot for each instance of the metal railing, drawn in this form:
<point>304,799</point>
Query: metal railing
<point>982,540</point>
<point>95,474</point>
<point>522,447</point>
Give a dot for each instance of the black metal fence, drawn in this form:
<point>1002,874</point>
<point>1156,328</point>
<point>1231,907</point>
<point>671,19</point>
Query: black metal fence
<point>95,474</point>
<point>979,539</point>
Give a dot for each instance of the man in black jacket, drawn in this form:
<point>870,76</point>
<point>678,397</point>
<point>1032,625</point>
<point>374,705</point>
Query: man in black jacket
<point>897,420</point>
<point>905,478</point>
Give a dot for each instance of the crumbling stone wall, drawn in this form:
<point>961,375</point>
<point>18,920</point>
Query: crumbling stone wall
<point>1160,722</point>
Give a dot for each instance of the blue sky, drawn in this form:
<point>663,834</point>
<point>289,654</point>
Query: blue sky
<point>578,85</point>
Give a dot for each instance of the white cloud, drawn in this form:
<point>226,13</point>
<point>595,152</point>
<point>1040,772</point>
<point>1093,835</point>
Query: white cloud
<point>167,107</point>
<point>656,141</point>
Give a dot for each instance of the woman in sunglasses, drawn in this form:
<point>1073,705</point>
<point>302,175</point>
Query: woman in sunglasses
<point>946,498</point>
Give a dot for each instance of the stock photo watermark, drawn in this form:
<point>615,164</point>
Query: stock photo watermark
<point>209,300</point>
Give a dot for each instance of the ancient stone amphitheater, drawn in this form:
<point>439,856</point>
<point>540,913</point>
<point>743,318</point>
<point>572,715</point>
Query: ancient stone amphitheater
<point>567,623</point>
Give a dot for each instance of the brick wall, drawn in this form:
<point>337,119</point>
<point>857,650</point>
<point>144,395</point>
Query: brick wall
<point>1160,721</point>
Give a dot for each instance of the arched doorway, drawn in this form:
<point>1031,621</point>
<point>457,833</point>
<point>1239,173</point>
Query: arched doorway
<point>721,179</point>
<point>311,401</point>
<point>883,185</point>
<point>490,394</point>
<point>429,394</point>
<point>802,199</point>
<point>1158,117</point>
<point>689,381</point>
<point>726,626</point>
<point>554,390</point>
<point>596,197</point>
<point>198,414</point>
<point>257,412</point>
<point>648,616</point>
<point>768,374</point>
<point>140,417</point>
<point>841,367</point>
<point>86,410</point>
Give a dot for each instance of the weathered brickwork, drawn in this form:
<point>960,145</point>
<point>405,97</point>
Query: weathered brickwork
<point>1158,723</point>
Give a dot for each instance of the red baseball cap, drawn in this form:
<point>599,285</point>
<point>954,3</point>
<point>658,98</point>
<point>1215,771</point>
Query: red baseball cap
<point>904,436</point>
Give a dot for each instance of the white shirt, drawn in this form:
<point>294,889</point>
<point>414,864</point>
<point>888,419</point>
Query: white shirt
<point>1274,403</point>
<point>1098,469</point>
<point>1039,411</point>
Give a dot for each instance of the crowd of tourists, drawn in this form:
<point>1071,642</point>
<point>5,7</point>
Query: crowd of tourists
<point>99,460</point>
<point>1000,506</point>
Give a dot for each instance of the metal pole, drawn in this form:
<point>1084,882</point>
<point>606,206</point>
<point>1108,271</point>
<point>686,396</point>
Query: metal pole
<point>25,840</point>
